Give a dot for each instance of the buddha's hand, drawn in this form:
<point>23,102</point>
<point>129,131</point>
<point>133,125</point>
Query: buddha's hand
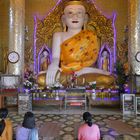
<point>51,74</point>
<point>87,70</point>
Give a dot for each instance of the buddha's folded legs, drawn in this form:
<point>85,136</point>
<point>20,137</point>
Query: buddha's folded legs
<point>102,81</point>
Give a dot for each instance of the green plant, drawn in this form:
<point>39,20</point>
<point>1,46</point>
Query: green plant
<point>121,77</point>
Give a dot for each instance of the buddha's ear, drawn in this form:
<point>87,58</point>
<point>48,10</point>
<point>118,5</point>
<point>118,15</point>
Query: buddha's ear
<point>86,18</point>
<point>63,18</point>
<point>63,22</point>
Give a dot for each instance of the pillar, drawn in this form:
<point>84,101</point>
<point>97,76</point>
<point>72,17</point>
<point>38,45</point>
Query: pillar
<point>16,34</point>
<point>134,39</point>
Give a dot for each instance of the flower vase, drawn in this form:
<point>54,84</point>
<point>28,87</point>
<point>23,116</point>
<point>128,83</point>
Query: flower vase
<point>57,95</point>
<point>26,91</point>
<point>93,96</point>
<point>72,84</point>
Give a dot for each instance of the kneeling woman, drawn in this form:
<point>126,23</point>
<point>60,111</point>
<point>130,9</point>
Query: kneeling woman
<point>27,131</point>
<point>88,131</point>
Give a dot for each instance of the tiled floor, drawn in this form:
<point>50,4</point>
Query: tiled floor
<point>69,118</point>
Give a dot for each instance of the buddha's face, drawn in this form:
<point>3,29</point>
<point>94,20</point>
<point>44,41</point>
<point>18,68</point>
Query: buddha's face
<point>74,16</point>
<point>105,54</point>
<point>45,53</point>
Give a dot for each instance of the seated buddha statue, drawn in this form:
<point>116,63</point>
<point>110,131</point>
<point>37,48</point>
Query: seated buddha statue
<point>44,60</point>
<point>75,51</point>
<point>105,60</point>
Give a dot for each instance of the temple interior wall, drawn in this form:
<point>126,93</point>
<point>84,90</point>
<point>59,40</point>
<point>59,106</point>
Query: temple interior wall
<point>42,7</point>
<point>4,7</point>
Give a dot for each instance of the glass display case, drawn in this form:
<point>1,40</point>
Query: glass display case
<point>71,97</point>
<point>8,82</point>
<point>9,88</point>
<point>137,105</point>
<point>128,104</point>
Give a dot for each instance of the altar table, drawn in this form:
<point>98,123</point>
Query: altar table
<point>49,101</point>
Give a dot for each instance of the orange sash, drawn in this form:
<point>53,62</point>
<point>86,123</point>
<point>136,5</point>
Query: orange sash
<point>79,51</point>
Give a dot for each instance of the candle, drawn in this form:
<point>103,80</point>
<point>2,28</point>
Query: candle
<point>83,81</point>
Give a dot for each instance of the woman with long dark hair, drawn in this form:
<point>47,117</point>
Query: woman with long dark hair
<point>27,131</point>
<point>6,132</point>
<point>88,130</point>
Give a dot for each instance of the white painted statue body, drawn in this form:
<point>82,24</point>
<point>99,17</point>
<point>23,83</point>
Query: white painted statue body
<point>74,17</point>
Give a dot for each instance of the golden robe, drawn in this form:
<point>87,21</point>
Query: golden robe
<point>79,51</point>
<point>44,65</point>
<point>105,64</point>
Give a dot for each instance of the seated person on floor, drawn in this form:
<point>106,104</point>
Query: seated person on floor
<point>88,130</point>
<point>27,131</point>
<point>6,132</point>
<point>75,51</point>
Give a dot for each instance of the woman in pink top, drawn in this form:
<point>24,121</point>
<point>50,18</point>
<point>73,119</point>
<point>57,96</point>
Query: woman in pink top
<point>88,130</point>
